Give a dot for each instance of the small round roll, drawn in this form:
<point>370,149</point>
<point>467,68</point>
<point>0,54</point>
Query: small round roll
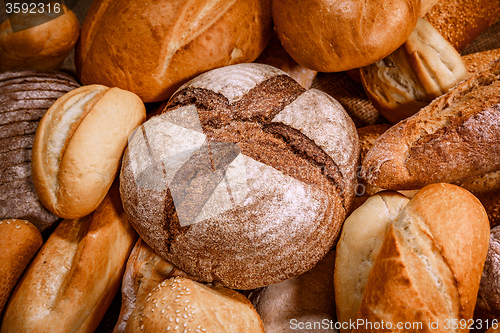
<point>78,147</point>
<point>19,242</point>
<point>38,41</point>
<point>183,305</point>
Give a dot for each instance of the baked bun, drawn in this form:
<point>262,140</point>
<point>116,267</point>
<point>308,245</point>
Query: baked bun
<point>314,32</point>
<point>145,270</point>
<point>423,68</point>
<point>78,147</point>
<point>429,266</point>
<point>25,97</point>
<point>19,242</point>
<point>170,42</point>
<point>76,275</point>
<point>244,179</point>
<point>455,137</point>
<point>38,41</point>
<point>296,303</point>
<point>363,233</point>
<point>180,304</point>
<point>479,61</point>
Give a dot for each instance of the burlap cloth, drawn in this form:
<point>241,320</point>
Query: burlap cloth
<point>339,85</point>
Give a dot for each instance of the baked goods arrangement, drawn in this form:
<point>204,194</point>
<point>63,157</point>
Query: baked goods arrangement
<point>250,166</point>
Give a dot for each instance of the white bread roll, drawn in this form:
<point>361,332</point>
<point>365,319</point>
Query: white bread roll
<point>78,147</point>
<point>430,263</point>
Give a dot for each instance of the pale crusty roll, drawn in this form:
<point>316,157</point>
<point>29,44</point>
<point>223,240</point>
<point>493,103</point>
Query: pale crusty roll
<point>44,45</point>
<point>78,147</point>
<point>455,137</point>
<point>75,276</point>
<point>362,235</point>
<point>170,42</point>
<point>423,68</point>
<point>19,242</point>
<point>430,263</point>
<point>301,299</point>
<point>314,32</point>
<point>145,270</point>
<point>181,304</point>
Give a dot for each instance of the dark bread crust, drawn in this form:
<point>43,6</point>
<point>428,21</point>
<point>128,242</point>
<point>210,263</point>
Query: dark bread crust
<point>25,96</point>
<point>456,137</point>
<point>268,238</point>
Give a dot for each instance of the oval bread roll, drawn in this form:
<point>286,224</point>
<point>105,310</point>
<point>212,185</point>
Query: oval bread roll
<point>78,147</point>
<point>19,242</point>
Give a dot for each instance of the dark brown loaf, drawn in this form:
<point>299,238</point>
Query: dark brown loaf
<point>456,137</point>
<point>334,36</point>
<point>25,96</point>
<point>170,41</point>
<point>291,181</point>
<point>461,21</point>
<point>75,276</point>
<point>19,242</point>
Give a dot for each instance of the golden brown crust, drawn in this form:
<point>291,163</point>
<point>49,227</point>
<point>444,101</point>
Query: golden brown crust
<point>461,21</point>
<point>430,263</point>
<point>456,137</point>
<point>19,242</point>
<point>376,29</point>
<point>182,304</point>
<point>42,47</point>
<point>476,62</point>
<point>190,37</point>
<point>75,276</point>
<point>78,147</point>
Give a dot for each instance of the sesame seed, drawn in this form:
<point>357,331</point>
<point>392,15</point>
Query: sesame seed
<point>177,311</point>
<point>184,316</point>
<point>177,320</point>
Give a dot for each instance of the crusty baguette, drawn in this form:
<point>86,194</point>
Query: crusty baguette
<point>455,137</point>
<point>19,242</point>
<point>430,263</point>
<point>75,276</point>
<point>362,235</point>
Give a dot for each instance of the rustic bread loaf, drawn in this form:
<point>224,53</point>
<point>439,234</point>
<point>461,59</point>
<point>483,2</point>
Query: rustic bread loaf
<point>430,263</point>
<point>456,137</point>
<point>315,33</point>
<point>19,242</point>
<point>145,270</point>
<point>168,43</point>
<point>245,179</point>
<point>461,21</point>
<point>476,62</point>
<point>38,40</point>
<point>25,96</point>
<point>302,303</point>
<point>75,276</point>
<point>423,68</point>
<point>181,304</point>
<point>78,147</point>
<point>362,236</point>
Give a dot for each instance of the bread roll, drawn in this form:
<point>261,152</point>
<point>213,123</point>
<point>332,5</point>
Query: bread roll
<point>456,137</point>
<point>302,303</point>
<point>38,41</point>
<point>476,62</point>
<point>461,21</point>
<point>145,270</point>
<point>170,42</point>
<point>252,182</point>
<point>25,96</point>
<point>314,32</point>
<point>275,55</point>
<point>362,235</point>
<point>423,68</point>
<point>429,265</point>
<point>75,276</point>
<point>180,304</point>
<point>19,242</point>
<point>78,147</point>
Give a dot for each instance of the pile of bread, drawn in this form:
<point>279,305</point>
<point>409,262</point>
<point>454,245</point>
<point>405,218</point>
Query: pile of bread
<point>187,168</point>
